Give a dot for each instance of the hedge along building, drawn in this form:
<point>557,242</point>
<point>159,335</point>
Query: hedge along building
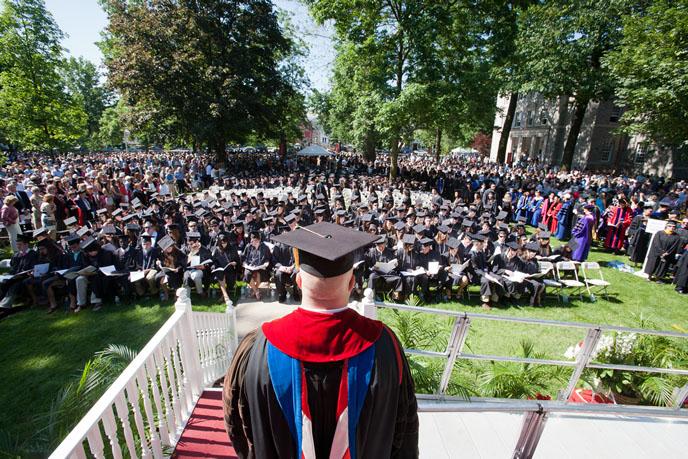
<point>540,127</point>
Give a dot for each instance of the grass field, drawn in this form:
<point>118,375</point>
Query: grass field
<point>42,352</point>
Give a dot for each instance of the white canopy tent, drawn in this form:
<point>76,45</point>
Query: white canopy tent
<point>315,150</point>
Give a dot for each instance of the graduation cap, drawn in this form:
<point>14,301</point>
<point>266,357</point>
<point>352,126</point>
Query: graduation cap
<point>544,235</point>
<point>453,243</point>
<point>24,238</point>
<point>476,237</point>
<point>193,235</point>
<point>409,239</point>
<point>513,245</point>
<point>502,215</point>
<point>133,227</point>
<point>290,218</point>
<point>325,249</point>
<point>399,226</point>
<point>419,228</point>
<point>166,242</point>
<point>381,240</point>
<point>101,211</point>
<point>319,211</point>
<point>426,241</point>
<point>532,246</point>
<point>116,212</point>
<point>89,244</point>
<point>543,227</point>
<point>146,237</point>
<point>468,223</point>
<point>127,218</point>
<point>70,221</point>
<point>366,217</point>
<point>73,239</point>
<point>40,231</point>
<point>443,229</point>
<point>522,219</point>
<point>82,231</point>
<point>108,229</point>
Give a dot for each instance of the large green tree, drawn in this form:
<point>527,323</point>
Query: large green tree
<point>561,44</point>
<point>209,68</point>
<point>38,112</point>
<point>651,72</point>
<point>83,83</point>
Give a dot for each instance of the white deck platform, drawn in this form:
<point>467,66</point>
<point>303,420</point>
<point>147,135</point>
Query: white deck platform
<point>494,435</point>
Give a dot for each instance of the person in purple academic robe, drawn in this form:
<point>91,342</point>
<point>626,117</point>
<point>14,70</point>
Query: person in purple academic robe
<point>582,234</point>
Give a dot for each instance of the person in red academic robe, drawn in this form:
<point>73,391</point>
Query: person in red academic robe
<point>322,381</point>
<point>546,206</point>
<point>618,221</point>
<point>553,213</point>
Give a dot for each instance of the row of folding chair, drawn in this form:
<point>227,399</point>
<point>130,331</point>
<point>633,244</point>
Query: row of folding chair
<point>562,279</point>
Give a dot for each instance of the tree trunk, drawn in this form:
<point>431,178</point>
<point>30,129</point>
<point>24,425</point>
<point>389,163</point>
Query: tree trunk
<point>576,123</point>
<point>506,128</point>
<point>369,146</point>
<point>438,144</point>
<point>220,155</point>
<point>394,159</point>
<point>282,145</point>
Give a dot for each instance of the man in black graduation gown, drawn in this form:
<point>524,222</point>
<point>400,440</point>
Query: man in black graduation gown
<point>665,245</point>
<point>383,254</point>
<point>287,390</point>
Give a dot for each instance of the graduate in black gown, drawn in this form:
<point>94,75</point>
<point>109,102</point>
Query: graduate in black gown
<point>638,238</point>
<point>663,250</point>
<point>321,370</point>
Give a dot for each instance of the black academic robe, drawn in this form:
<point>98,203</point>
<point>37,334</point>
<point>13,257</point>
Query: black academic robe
<point>681,277</point>
<point>387,427</point>
<point>662,254</point>
<point>638,240</point>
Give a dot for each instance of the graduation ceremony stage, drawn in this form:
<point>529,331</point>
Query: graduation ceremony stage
<point>167,398</point>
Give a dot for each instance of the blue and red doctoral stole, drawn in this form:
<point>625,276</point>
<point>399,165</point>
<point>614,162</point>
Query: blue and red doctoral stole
<point>344,336</point>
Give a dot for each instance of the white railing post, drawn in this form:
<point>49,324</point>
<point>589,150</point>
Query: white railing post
<point>368,304</point>
<point>189,345</point>
<point>231,311</point>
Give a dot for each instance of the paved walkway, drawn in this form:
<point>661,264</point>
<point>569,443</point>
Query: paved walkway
<point>251,313</point>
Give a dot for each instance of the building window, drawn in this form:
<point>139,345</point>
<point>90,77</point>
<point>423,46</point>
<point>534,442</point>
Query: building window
<point>606,153</point>
<point>531,117</point>
<point>640,151</point>
<point>616,114</point>
<point>517,119</point>
<point>543,118</point>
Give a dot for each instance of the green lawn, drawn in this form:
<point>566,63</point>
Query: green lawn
<point>43,352</point>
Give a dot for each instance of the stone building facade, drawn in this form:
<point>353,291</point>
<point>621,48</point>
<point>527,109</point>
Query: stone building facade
<point>541,126</point>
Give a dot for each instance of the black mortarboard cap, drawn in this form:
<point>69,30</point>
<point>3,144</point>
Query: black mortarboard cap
<point>24,238</point>
<point>40,231</point>
<point>419,228</point>
<point>443,229</point>
<point>453,243</point>
<point>193,235</point>
<point>325,249</point>
<point>426,241</point>
<point>467,223</point>
<point>399,226</point>
<point>89,244</point>
<point>70,221</point>
<point>522,219</point>
<point>501,215</point>
<point>409,239</point>
<point>290,218</point>
<point>513,245</point>
<point>73,239</point>
<point>544,235</point>
<point>166,242</point>
<point>532,246</point>
<point>477,237</point>
<point>543,227</point>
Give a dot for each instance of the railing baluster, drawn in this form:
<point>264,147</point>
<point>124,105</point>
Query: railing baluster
<point>173,391</point>
<point>181,377</point>
<point>134,396</point>
<point>95,442</point>
<point>110,427</point>
<point>122,409</point>
<point>143,381</point>
<point>152,370</point>
<point>170,419</point>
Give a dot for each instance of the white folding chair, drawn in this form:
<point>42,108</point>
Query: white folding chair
<point>594,282</point>
<point>550,279</point>
<point>568,267</point>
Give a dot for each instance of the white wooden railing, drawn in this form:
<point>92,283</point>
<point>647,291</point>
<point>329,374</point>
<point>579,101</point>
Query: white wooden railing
<point>145,410</point>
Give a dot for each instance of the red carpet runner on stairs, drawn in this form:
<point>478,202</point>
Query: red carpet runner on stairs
<point>204,435</point>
